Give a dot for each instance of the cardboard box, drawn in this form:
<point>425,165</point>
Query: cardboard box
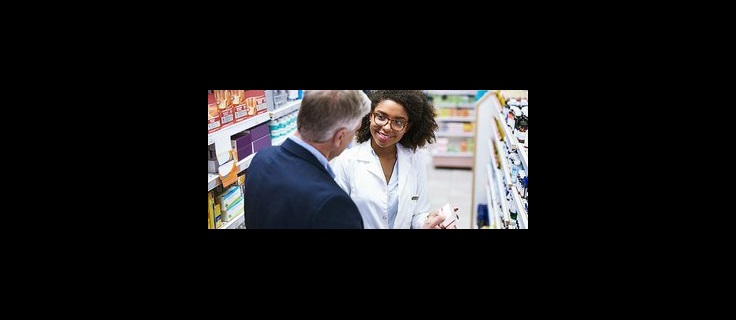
<point>243,144</point>
<point>223,99</point>
<point>255,102</point>
<point>213,114</point>
<point>240,109</point>
<point>262,143</point>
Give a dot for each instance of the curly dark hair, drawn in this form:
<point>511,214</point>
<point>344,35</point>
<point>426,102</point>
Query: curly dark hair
<point>421,117</point>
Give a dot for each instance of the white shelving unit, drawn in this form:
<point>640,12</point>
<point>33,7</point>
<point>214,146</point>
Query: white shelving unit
<point>225,133</point>
<point>221,139</point>
<point>455,119</point>
<point>453,154</point>
<point>488,179</point>
<point>289,107</point>
<point>457,139</point>
<point>454,134</point>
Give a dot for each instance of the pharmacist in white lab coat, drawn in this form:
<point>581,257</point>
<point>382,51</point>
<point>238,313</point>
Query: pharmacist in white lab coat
<point>384,174</point>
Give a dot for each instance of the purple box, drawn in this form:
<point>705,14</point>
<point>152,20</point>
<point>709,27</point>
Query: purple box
<point>243,144</point>
<point>244,152</point>
<point>261,143</point>
<point>259,131</point>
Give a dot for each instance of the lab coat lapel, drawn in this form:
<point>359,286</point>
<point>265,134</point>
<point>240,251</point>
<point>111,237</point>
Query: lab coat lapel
<point>368,161</point>
<point>404,171</point>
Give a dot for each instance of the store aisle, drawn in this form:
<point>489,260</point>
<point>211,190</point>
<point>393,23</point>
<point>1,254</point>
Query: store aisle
<point>451,185</point>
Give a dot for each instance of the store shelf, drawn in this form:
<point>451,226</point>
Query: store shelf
<point>504,165</point>
<point>232,129</point>
<point>452,92</point>
<point>509,138</point>
<point>492,198</point>
<point>458,119</point>
<point>452,162</point>
<point>289,107</point>
<point>234,223</point>
<point>502,200</point>
<point>491,220</point>
<point>245,163</point>
<point>453,154</point>
<point>214,180</point>
<point>523,218</point>
<point>524,155</point>
<point>493,158</point>
<point>454,105</point>
<point>457,134</point>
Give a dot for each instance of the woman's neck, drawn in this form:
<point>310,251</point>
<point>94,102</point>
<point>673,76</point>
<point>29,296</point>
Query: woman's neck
<point>388,152</point>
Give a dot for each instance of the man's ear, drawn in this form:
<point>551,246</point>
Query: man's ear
<point>338,136</point>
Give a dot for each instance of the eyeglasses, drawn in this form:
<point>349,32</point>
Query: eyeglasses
<point>396,124</point>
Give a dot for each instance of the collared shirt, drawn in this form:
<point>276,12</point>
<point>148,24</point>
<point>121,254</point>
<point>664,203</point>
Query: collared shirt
<point>322,159</point>
<point>392,192</point>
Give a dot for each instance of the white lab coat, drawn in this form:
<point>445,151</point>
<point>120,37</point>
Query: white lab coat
<point>359,173</point>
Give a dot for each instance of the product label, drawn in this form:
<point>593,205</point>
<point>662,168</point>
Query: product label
<point>241,113</point>
<point>213,125</point>
<point>227,119</point>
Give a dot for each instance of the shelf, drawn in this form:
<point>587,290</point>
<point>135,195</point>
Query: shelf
<point>455,106</point>
<point>237,127</point>
<point>453,162</point>
<point>509,138</point>
<point>449,134</point>
<point>492,153</point>
<point>458,119</point>
<point>492,198</point>
<point>521,210</point>
<point>286,109</point>
<point>490,207</point>
<point>214,180</point>
<point>243,164</point>
<point>452,92</point>
<point>233,224</point>
<point>523,154</point>
<point>502,197</point>
<point>453,154</point>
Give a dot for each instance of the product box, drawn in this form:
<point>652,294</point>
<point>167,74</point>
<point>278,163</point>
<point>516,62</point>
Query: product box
<point>262,143</point>
<point>233,210</point>
<point>223,99</point>
<point>449,214</point>
<point>213,114</point>
<point>261,136</point>
<point>242,144</point>
<point>240,110</point>
<point>255,102</point>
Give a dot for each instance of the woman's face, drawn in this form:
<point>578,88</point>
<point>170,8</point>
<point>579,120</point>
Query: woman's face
<point>392,115</point>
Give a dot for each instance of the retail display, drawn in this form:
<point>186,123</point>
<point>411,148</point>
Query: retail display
<point>500,189</point>
<point>456,134</point>
<point>240,123</point>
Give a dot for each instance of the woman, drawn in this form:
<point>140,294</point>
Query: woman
<point>384,174</point>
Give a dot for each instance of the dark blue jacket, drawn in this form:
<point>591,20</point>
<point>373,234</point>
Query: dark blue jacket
<point>287,188</point>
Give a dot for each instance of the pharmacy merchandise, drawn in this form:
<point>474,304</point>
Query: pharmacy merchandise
<point>500,190</point>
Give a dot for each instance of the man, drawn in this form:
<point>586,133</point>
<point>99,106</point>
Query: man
<point>292,185</point>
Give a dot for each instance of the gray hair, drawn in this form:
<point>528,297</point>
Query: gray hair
<point>325,111</point>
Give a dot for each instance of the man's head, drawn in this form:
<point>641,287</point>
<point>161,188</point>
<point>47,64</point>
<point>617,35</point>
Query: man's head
<point>328,119</point>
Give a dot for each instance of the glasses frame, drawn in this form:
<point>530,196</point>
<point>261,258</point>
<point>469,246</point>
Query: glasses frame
<point>388,120</point>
